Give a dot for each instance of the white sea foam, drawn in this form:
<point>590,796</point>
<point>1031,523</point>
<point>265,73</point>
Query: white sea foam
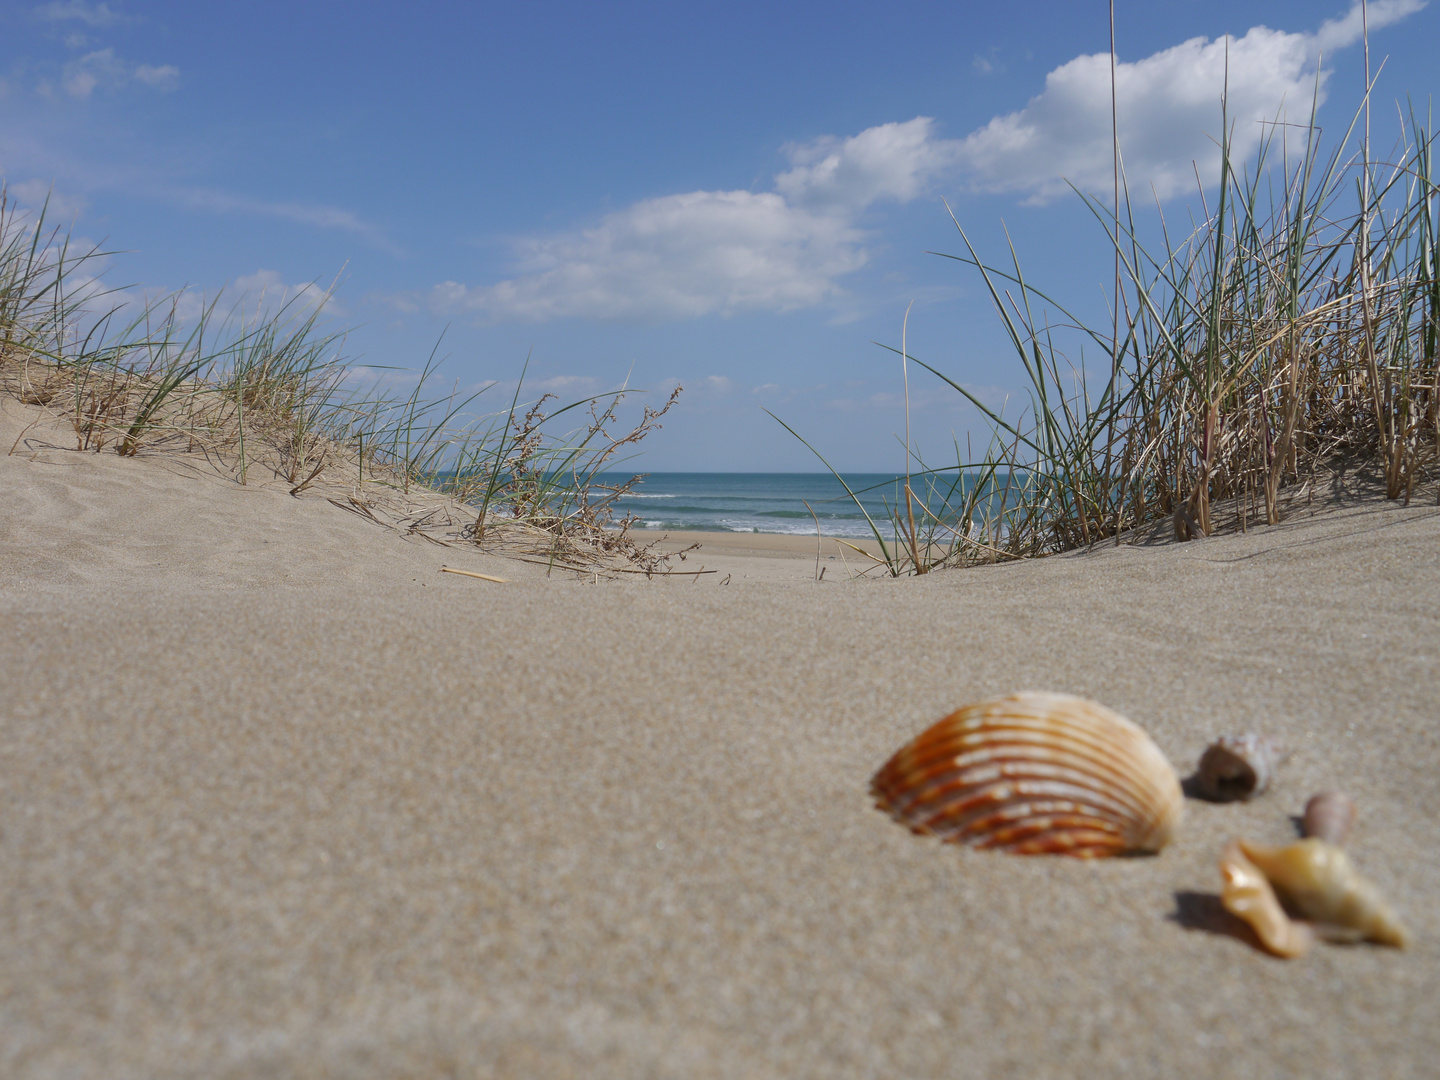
<point>766,503</point>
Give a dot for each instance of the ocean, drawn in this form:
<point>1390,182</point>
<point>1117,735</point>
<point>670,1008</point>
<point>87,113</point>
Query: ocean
<point>765,502</point>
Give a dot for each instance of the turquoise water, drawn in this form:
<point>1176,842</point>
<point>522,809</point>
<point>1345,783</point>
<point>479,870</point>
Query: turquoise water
<point>765,502</point>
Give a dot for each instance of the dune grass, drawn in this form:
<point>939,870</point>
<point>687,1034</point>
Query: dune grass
<point>1291,333</point>
<point>1287,334</point>
<point>268,396</point>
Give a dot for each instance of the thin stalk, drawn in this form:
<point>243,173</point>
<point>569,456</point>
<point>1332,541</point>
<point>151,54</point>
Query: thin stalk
<point>909,495</point>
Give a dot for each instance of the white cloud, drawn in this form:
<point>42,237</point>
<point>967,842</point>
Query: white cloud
<point>163,77</point>
<point>35,194</point>
<point>571,385</point>
<point>90,14</point>
<point>1169,110</point>
<point>77,263</point>
<point>317,215</point>
<point>704,252</point>
<point>34,156</point>
<point>675,257</point>
<point>102,69</point>
<point>81,77</point>
<point>891,161</point>
<point>923,399</point>
<point>708,252</point>
<point>189,305</point>
<point>250,297</point>
<point>1348,29</point>
<point>267,291</point>
<point>988,63</point>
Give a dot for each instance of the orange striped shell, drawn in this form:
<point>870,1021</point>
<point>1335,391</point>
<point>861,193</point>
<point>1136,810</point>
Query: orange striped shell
<point>1034,773</point>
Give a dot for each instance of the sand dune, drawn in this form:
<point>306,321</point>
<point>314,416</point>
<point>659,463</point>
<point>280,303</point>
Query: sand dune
<point>277,798</point>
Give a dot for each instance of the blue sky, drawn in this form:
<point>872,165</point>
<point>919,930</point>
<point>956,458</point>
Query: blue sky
<point>722,195</point>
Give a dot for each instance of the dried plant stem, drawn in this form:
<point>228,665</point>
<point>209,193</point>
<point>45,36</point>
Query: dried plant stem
<point>474,574</point>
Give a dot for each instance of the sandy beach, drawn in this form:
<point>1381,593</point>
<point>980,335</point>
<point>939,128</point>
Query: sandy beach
<point>279,798</point>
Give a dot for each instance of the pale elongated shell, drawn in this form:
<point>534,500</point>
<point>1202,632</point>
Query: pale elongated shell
<point>1247,893</point>
<point>1239,766</point>
<point>1329,816</point>
<point>1321,884</point>
<point>1034,773</point>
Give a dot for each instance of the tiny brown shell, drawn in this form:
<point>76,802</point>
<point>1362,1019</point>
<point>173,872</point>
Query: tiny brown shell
<point>1238,766</point>
<point>1034,773</point>
<point>1329,816</point>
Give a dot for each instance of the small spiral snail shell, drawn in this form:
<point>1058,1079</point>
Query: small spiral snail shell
<point>1034,773</point>
<point>1321,884</point>
<point>1329,816</point>
<point>1238,766</point>
<point>1247,893</point>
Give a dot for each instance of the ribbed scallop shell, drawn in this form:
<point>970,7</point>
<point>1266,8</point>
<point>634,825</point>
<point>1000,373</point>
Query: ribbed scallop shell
<point>1034,773</point>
